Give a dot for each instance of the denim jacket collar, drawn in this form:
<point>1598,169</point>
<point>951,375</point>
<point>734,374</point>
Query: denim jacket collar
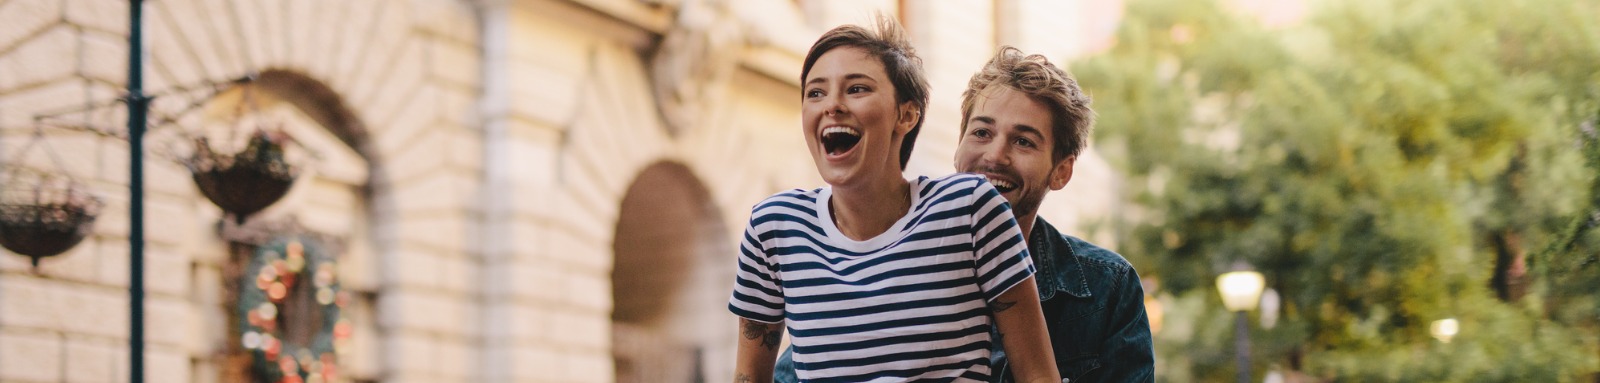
<point>1060,269</point>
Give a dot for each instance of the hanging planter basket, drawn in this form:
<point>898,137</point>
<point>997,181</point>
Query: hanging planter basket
<point>39,222</point>
<point>246,182</point>
<point>43,213</point>
<point>47,218</point>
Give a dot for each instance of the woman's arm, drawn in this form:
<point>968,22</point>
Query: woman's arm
<point>1022,329</point>
<point>758,350</point>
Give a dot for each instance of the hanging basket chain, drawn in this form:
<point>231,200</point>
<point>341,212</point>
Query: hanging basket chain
<point>242,182</point>
<point>56,213</point>
<point>212,89</point>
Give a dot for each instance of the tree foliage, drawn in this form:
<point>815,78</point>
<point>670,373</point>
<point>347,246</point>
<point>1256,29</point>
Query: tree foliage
<point>1375,162</point>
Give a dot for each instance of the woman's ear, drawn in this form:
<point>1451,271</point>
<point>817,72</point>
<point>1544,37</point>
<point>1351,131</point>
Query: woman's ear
<point>909,115</point>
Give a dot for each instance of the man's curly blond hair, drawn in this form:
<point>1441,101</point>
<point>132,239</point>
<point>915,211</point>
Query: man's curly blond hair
<point>1034,75</point>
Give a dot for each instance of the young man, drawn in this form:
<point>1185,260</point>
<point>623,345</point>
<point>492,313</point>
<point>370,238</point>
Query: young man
<point>1024,122</point>
<point>878,278</point>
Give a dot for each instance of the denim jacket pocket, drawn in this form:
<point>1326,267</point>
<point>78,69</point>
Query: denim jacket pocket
<point>1078,326</point>
<point>1076,368</point>
<point>1073,310</point>
<point>1077,333</point>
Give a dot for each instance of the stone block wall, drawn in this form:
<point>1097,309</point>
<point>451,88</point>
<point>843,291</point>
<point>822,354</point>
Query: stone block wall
<point>409,73</point>
<point>487,149</point>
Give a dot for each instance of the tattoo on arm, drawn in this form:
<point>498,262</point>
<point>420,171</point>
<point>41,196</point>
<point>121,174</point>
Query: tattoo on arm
<point>772,339</point>
<point>757,330</point>
<point>998,305</point>
<point>752,329</point>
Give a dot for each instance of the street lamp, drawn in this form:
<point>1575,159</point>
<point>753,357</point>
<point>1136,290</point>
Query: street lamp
<point>1445,329</point>
<point>1241,292</point>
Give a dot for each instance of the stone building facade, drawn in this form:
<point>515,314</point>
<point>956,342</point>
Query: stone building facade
<point>516,190</point>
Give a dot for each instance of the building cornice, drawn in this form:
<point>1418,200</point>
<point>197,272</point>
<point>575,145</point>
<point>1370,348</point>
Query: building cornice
<point>630,21</point>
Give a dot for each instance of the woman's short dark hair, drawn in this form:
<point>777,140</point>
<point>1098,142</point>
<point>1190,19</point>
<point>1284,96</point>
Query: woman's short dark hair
<point>889,44</point>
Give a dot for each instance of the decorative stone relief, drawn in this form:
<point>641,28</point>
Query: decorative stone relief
<point>694,61</point>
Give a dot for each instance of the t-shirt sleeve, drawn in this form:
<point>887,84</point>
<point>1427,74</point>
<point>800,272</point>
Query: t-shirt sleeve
<point>757,290</point>
<point>1002,253</point>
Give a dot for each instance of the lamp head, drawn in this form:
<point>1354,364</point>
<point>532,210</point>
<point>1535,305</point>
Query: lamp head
<point>1241,290</point>
<point>1445,329</point>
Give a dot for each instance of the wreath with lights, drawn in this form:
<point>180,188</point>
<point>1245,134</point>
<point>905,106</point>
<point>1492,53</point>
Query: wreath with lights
<point>275,273</point>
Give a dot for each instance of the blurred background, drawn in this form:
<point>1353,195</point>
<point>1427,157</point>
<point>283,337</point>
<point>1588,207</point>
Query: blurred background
<point>552,190</point>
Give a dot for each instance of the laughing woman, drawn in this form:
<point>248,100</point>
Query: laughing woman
<point>879,278</point>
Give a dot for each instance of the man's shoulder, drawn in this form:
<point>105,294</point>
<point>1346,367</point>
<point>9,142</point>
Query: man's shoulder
<point>1094,253</point>
<point>1087,252</point>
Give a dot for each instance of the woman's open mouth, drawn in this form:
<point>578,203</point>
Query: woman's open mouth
<point>838,140</point>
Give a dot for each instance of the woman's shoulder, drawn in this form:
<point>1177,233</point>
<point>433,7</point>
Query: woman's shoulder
<point>964,184</point>
<point>788,202</point>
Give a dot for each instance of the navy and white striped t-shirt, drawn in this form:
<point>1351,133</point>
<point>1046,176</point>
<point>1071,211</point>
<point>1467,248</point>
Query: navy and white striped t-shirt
<point>907,305</point>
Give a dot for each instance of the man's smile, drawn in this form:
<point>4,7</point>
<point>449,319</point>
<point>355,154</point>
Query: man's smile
<point>1005,183</point>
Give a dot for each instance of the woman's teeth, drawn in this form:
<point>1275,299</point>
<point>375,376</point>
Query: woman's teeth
<point>839,139</point>
<point>840,129</point>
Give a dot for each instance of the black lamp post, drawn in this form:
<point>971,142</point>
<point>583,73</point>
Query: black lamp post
<point>1241,292</point>
<point>227,181</point>
<point>138,109</point>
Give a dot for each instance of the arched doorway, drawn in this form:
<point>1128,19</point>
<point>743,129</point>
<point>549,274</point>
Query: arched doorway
<point>327,213</point>
<point>669,249</point>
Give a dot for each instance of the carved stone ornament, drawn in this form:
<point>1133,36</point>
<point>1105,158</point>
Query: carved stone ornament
<point>692,65</point>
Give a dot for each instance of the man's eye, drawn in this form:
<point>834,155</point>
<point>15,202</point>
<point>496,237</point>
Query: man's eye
<point>980,133</point>
<point>1023,142</point>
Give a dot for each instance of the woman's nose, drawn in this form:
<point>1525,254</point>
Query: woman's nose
<point>837,107</point>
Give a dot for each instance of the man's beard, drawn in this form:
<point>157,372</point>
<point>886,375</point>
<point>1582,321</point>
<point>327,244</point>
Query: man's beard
<point>1030,195</point>
<point>1029,199</point>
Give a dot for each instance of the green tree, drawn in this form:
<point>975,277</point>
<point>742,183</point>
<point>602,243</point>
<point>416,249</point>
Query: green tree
<point>1385,164</point>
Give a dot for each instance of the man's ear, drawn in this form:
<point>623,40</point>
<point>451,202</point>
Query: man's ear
<point>909,116</point>
<point>1062,173</point>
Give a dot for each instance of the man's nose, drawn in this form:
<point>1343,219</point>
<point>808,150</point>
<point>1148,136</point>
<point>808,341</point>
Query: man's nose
<point>997,153</point>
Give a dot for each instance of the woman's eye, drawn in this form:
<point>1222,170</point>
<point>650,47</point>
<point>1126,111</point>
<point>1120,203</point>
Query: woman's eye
<point>814,93</point>
<point>859,88</point>
<point>980,133</point>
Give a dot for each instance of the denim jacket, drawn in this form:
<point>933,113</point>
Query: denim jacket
<point>1093,306</point>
